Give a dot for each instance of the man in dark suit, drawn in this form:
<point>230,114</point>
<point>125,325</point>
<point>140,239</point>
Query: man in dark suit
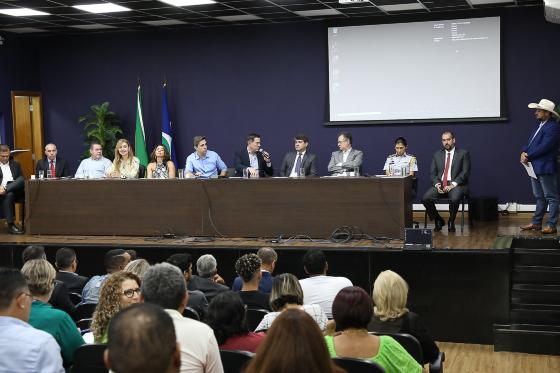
<point>253,159</point>
<point>67,263</point>
<point>541,151</point>
<point>300,159</point>
<point>208,281</point>
<point>52,162</point>
<point>449,173</point>
<point>12,186</point>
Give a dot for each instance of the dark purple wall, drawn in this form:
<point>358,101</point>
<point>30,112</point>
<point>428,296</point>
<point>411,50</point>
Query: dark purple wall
<point>227,82</point>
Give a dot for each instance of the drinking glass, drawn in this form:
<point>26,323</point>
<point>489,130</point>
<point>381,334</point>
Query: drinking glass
<point>49,174</point>
<point>181,174</point>
<point>301,172</point>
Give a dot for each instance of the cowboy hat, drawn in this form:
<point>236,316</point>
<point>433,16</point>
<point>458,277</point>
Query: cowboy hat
<point>545,104</point>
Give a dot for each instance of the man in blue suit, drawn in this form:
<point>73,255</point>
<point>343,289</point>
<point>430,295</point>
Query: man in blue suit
<point>541,151</point>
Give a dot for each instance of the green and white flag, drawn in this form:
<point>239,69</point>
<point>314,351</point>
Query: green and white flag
<point>140,137</point>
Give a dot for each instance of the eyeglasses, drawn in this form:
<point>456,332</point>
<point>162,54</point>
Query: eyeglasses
<point>129,293</point>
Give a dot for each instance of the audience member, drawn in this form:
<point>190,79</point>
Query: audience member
<point>346,159</point>
<point>115,260</point>
<point>252,160</point>
<point>165,286</point>
<point>12,187</point>
<point>390,293</point>
<point>67,263</point>
<point>120,290</point>
<point>142,340</point>
<point>52,162</point>
<point>286,294</point>
<point>226,316</point>
<point>268,258</point>
<point>40,276</point>
<point>24,348</point>
<point>294,344</point>
<point>249,268</point>
<point>352,310</point>
<point>33,252</point>
<point>138,267</point>
<point>161,166</point>
<point>208,278</point>
<point>125,165</point>
<point>319,288</point>
<point>95,166</point>
<point>197,300</point>
<point>132,253</point>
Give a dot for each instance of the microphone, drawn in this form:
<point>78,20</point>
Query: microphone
<point>264,153</point>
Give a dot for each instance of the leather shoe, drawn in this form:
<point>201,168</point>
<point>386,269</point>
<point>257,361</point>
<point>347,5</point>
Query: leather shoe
<point>439,223</point>
<point>531,227</point>
<point>15,230</point>
<point>451,226</point>
<point>549,230</point>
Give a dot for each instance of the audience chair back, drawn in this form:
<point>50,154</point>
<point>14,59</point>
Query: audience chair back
<point>89,359</point>
<point>75,298</point>
<point>409,343</point>
<point>191,314</point>
<point>84,324</point>
<point>84,311</point>
<point>352,365</point>
<point>254,317</point>
<point>235,361</point>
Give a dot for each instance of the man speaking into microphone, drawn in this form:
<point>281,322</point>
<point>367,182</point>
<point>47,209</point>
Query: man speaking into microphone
<point>253,159</point>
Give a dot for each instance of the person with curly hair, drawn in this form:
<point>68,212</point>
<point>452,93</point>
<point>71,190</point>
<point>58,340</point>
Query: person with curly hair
<point>119,291</point>
<point>125,165</point>
<point>248,267</point>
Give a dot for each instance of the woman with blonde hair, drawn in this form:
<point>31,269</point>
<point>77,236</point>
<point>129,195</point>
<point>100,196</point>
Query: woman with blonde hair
<point>40,276</point>
<point>120,290</point>
<point>125,165</point>
<point>390,293</point>
<point>161,166</point>
<point>138,267</point>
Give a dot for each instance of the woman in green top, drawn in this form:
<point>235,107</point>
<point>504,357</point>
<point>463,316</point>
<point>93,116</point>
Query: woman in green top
<point>352,309</point>
<point>119,291</point>
<point>40,276</point>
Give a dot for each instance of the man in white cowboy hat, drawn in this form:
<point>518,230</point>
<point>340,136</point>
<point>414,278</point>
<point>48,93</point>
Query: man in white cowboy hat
<point>541,151</point>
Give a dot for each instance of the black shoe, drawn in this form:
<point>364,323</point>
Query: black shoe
<point>14,230</point>
<point>439,224</point>
<point>451,226</point>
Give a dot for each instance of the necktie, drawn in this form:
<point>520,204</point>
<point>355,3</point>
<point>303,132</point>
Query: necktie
<point>446,171</point>
<point>298,164</point>
<point>52,169</point>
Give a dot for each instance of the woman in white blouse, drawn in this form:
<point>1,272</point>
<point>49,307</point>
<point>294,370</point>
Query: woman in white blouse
<point>125,165</point>
<point>287,293</point>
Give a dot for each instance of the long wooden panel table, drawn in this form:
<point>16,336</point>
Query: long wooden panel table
<point>220,207</point>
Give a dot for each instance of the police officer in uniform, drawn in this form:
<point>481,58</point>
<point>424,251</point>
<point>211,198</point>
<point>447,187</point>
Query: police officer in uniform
<point>401,163</point>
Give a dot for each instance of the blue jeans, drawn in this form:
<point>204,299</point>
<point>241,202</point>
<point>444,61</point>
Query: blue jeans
<point>545,191</point>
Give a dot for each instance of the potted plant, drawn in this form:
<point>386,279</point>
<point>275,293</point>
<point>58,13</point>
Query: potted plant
<point>103,126</point>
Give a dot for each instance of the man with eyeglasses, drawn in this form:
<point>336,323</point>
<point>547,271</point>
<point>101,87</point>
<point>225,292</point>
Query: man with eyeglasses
<point>346,159</point>
<point>24,348</point>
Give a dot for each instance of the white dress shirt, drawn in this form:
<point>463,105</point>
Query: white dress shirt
<point>6,173</point>
<point>294,172</point>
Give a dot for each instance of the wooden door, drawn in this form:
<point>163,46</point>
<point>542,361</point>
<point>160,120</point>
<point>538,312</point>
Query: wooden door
<point>28,129</point>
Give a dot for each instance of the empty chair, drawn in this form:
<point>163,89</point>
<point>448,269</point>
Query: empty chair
<point>254,317</point>
<point>352,365</point>
<point>235,361</point>
<point>89,359</point>
<point>84,311</point>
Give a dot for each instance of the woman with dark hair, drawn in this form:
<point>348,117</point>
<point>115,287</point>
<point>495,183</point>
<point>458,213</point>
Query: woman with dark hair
<point>352,310</point>
<point>294,344</point>
<point>226,316</point>
<point>161,166</point>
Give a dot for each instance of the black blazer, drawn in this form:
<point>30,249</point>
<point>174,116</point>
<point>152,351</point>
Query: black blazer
<point>207,286</point>
<point>460,168</point>
<point>241,162</point>
<point>60,298</point>
<point>18,185</point>
<point>60,167</point>
<point>308,163</point>
<point>75,283</point>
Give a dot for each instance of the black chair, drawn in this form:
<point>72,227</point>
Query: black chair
<point>75,298</point>
<point>191,313</point>
<point>84,311</point>
<point>352,365</point>
<point>464,200</point>
<point>141,172</point>
<point>89,359</point>
<point>254,317</point>
<point>84,324</point>
<point>235,361</point>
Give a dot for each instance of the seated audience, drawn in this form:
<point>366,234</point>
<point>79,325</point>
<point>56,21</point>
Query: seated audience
<point>352,310</point>
<point>40,275</point>
<point>161,166</point>
<point>268,258</point>
<point>142,339</point>
<point>67,263</point>
<point>28,349</point>
<point>115,260</point>
<point>121,290</point>
<point>138,267</point>
<point>208,280</point>
<point>12,187</point>
<point>197,300</point>
<point>390,293</point>
<point>132,253</point>
<point>164,286</point>
<point>95,166</point>
<point>125,165</point>
<point>294,344</point>
<point>52,162</point>
<point>33,252</point>
<point>319,288</point>
<point>286,294</point>
<point>226,316</point>
<point>249,268</point>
